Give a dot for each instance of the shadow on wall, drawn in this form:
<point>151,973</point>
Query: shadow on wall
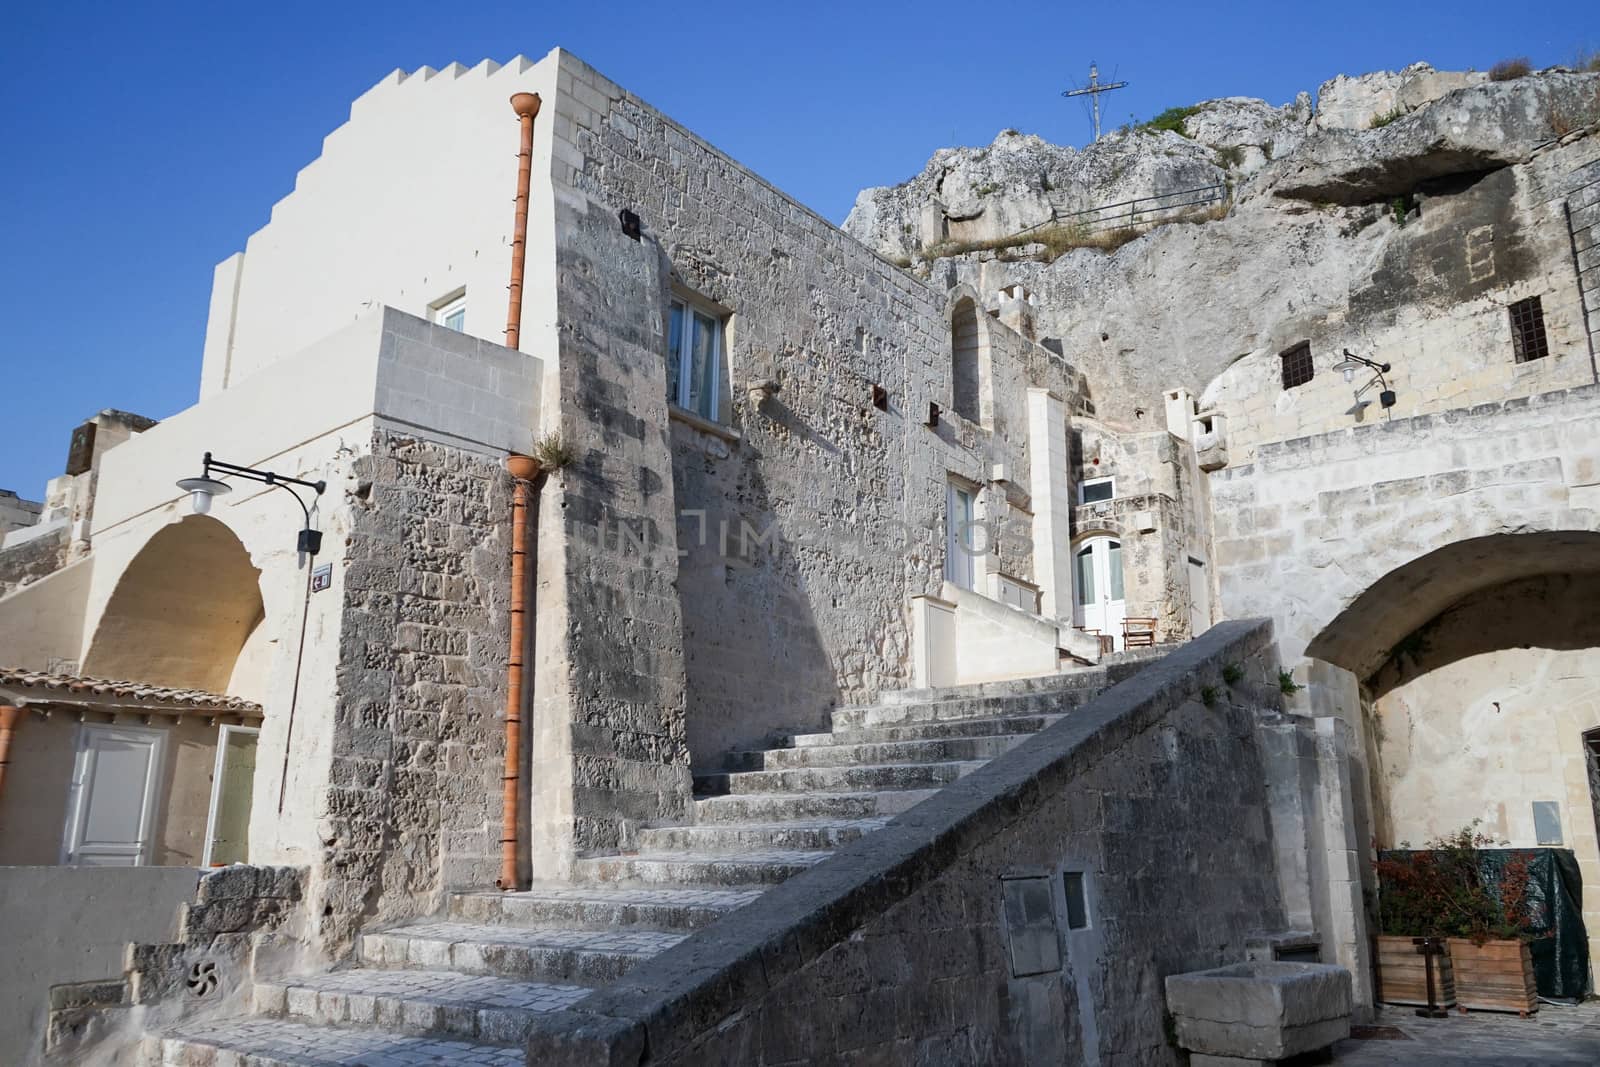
<point>182,610</point>
<point>754,657</point>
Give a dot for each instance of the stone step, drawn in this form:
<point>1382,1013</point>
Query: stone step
<point>601,907</point>
<point>802,834</point>
<point>782,807</point>
<point>258,1042</point>
<point>867,753</point>
<point>749,867</point>
<point>473,1006</point>
<point>1064,682</point>
<point>576,957</point>
<point>866,778</point>
<point>927,731</point>
<point>939,711</point>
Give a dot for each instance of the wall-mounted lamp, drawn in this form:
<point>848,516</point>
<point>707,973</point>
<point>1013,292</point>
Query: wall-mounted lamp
<point>1350,365</point>
<point>202,489</point>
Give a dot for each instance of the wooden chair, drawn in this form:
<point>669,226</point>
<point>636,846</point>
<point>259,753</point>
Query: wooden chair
<point>1138,632</point>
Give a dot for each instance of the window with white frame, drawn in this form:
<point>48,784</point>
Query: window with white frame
<point>694,357</point>
<point>452,313</point>
<point>1096,489</point>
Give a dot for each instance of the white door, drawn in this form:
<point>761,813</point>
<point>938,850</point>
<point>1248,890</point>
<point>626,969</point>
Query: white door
<point>960,536</point>
<point>1098,587</point>
<point>232,789</point>
<point>1199,598</point>
<point>111,812</point>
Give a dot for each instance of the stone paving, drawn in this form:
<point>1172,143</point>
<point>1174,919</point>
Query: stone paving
<point>1556,1036</point>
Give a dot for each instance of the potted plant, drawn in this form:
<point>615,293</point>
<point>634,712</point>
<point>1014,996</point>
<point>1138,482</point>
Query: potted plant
<point>1440,892</point>
<point>1411,907</point>
<point>1493,963</point>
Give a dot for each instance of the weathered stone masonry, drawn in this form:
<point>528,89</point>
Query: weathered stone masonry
<point>412,802</point>
<point>849,500</point>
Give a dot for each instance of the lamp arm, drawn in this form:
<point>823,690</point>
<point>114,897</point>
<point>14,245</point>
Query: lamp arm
<point>266,477</point>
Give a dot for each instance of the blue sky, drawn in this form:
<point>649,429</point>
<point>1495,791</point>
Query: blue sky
<point>145,142</point>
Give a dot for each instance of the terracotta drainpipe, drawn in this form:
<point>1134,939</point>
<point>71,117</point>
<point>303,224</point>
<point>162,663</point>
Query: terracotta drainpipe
<point>526,105</point>
<point>523,469</point>
<point>9,718</point>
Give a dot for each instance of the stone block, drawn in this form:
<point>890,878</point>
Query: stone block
<point>1261,1010</point>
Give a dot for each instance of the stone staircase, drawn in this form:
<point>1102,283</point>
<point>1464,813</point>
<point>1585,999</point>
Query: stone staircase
<point>471,985</point>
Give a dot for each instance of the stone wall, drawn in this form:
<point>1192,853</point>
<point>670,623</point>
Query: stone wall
<point>844,503</point>
<point>28,561</point>
<point>413,797</point>
<point>898,949</point>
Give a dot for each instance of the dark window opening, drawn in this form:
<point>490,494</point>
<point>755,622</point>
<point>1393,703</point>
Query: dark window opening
<point>1077,902</point>
<point>964,343</point>
<point>1528,341</point>
<point>1297,368</point>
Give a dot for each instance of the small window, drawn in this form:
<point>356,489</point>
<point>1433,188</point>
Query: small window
<point>1096,489</point>
<point>1077,902</point>
<point>1547,822</point>
<point>1528,341</point>
<point>1297,368</point>
<point>694,358</point>
<point>452,313</point>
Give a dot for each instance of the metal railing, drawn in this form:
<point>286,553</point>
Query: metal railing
<point>1140,211</point>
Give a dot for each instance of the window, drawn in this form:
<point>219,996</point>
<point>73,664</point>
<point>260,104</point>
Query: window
<point>1077,901</point>
<point>1528,341</point>
<point>694,358</point>
<point>1096,489</point>
<point>964,361</point>
<point>452,313</point>
<point>1297,368</point>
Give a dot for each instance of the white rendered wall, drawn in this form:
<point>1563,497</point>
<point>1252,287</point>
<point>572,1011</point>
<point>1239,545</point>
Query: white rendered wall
<point>410,202</point>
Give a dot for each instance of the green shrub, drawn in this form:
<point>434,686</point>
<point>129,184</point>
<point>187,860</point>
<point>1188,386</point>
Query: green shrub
<point>1287,684</point>
<point>1380,121</point>
<point>1170,119</point>
<point>1232,673</point>
<point>1510,69</point>
<point>1231,156</point>
<point>1208,695</point>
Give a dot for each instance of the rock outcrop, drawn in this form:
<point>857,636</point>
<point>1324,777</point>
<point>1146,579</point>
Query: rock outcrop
<point>1478,128</point>
<point>1320,225</point>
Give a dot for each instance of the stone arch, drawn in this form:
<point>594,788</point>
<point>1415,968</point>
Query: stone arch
<point>182,612</point>
<point>1503,590</point>
<point>970,389</point>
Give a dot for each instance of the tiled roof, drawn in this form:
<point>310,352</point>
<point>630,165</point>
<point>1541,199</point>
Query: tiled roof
<point>88,690</point>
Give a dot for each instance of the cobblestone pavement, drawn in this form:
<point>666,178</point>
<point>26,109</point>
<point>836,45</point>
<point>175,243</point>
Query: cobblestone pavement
<point>1555,1037</point>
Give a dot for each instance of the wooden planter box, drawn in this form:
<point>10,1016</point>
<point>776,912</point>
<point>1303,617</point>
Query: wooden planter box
<point>1494,976</point>
<point>1402,979</point>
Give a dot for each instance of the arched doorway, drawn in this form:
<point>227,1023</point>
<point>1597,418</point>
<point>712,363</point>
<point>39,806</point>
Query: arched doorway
<point>1098,598</point>
<point>1479,672</point>
<point>186,613</point>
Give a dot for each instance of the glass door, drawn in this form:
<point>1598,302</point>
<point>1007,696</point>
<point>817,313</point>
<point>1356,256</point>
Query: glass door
<point>1097,588</point>
<point>232,785</point>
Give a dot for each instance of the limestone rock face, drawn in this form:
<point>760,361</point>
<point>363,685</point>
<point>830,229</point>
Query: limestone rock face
<point>1351,103</point>
<point>1259,131</point>
<point>977,194</point>
<point>1478,128</point>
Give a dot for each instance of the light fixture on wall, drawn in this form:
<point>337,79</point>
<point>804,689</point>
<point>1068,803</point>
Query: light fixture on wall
<point>201,490</point>
<point>1352,364</point>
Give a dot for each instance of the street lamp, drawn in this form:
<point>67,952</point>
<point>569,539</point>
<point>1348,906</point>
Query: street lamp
<point>1350,364</point>
<point>203,488</point>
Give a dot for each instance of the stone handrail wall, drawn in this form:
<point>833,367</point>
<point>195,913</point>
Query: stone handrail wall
<point>896,946</point>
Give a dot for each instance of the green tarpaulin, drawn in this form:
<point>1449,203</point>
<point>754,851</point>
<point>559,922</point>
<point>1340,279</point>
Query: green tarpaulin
<point>1560,948</point>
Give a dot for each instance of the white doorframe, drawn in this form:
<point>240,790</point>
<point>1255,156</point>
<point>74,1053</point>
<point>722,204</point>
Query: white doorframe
<point>216,783</point>
<point>82,788</point>
<point>1098,596</point>
<point>960,524</point>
